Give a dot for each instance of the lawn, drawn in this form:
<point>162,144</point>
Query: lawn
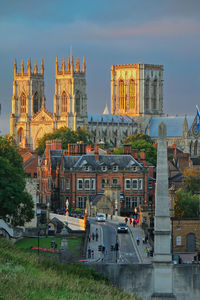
<point>74,244</point>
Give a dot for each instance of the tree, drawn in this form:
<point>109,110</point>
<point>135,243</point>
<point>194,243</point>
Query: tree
<point>66,135</point>
<point>139,142</point>
<point>186,204</point>
<point>15,202</point>
<point>191,180</point>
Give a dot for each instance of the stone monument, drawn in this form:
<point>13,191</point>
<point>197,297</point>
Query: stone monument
<point>162,260</point>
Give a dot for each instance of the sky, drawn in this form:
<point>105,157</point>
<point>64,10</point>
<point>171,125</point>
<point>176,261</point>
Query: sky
<point>106,32</point>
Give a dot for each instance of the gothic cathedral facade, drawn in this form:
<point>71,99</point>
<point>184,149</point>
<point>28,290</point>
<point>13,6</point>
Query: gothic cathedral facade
<point>30,119</point>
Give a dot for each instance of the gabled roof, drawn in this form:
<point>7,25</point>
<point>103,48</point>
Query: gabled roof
<point>109,118</point>
<point>173,123</point>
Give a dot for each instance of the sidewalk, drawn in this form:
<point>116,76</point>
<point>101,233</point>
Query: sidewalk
<point>138,232</point>
<point>93,244</point>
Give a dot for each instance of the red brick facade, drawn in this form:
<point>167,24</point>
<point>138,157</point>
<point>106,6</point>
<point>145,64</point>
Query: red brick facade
<point>76,175</point>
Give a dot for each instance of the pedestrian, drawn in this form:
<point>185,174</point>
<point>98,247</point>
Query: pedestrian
<point>146,251</point>
<point>143,240</point>
<point>133,222</point>
<point>89,252</point>
<point>126,220</point>
<point>92,253</point>
<point>130,220</point>
<point>93,236</point>
<point>138,240</point>
<point>89,237</point>
<point>106,216</point>
<point>97,236</point>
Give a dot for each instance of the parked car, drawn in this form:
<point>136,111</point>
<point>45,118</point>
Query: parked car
<point>101,218</point>
<point>122,227</point>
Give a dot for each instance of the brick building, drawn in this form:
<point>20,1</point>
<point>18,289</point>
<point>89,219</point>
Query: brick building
<point>78,174</point>
<point>185,235</point>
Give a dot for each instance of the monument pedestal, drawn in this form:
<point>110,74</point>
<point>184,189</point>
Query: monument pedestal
<point>163,281</point>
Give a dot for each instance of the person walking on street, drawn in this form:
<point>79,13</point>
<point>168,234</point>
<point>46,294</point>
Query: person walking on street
<point>130,220</point>
<point>93,236</point>
<point>138,240</point>
<point>92,254</point>
<point>126,220</point>
<point>97,236</point>
<point>89,252</point>
<point>89,237</point>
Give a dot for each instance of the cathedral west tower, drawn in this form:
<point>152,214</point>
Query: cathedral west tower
<point>70,98</point>
<point>28,95</point>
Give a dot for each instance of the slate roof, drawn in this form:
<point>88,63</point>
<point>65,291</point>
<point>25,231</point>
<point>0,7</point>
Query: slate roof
<point>173,123</point>
<point>109,118</point>
<point>77,162</point>
<point>122,161</point>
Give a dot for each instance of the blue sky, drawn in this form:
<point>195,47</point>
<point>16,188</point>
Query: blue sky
<point>106,32</point>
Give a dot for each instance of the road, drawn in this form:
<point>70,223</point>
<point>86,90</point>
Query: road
<point>126,253</point>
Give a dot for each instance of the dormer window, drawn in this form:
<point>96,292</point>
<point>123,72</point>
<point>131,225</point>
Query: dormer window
<point>87,168</point>
<point>104,168</point>
<point>115,168</point>
<point>134,169</point>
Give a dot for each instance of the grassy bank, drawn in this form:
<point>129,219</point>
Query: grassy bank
<point>23,276</point>
<point>74,244</point>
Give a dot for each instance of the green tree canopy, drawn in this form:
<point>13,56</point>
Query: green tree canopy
<point>191,181</point>
<point>15,202</point>
<point>66,135</point>
<point>139,142</point>
<point>186,204</point>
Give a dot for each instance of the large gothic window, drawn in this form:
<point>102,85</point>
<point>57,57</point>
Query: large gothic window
<point>195,147</point>
<point>23,103</point>
<point>20,135</point>
<point>121,95</point>
<point>146,103</point>
<point>154,94</point>
<point>36,106</point>
<point>78,103</point>
<point>132,94</point>
<point>64,102</point>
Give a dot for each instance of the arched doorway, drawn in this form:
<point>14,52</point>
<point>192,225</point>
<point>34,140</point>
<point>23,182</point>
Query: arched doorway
<point>190,242</point>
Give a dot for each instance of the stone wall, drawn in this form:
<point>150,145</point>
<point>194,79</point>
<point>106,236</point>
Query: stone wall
<point>138,278</point>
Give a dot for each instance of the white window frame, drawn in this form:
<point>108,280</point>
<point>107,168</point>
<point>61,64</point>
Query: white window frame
<point>104,168</point>
<point>136,180</point>
<point>178,240</point>
<point>127,180</point>
<point>67,183</point>
<point>134,169</point>
<point>115,168</point>
<point>93,184</point>
<point>82,200</point>
<point>140,185</point>
<point>87,168</point>
<point>79,180</point>
<point>87,180</point>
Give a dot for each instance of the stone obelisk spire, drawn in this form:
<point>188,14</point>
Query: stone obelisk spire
<point>162,229</point>
<point>162,260</point>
